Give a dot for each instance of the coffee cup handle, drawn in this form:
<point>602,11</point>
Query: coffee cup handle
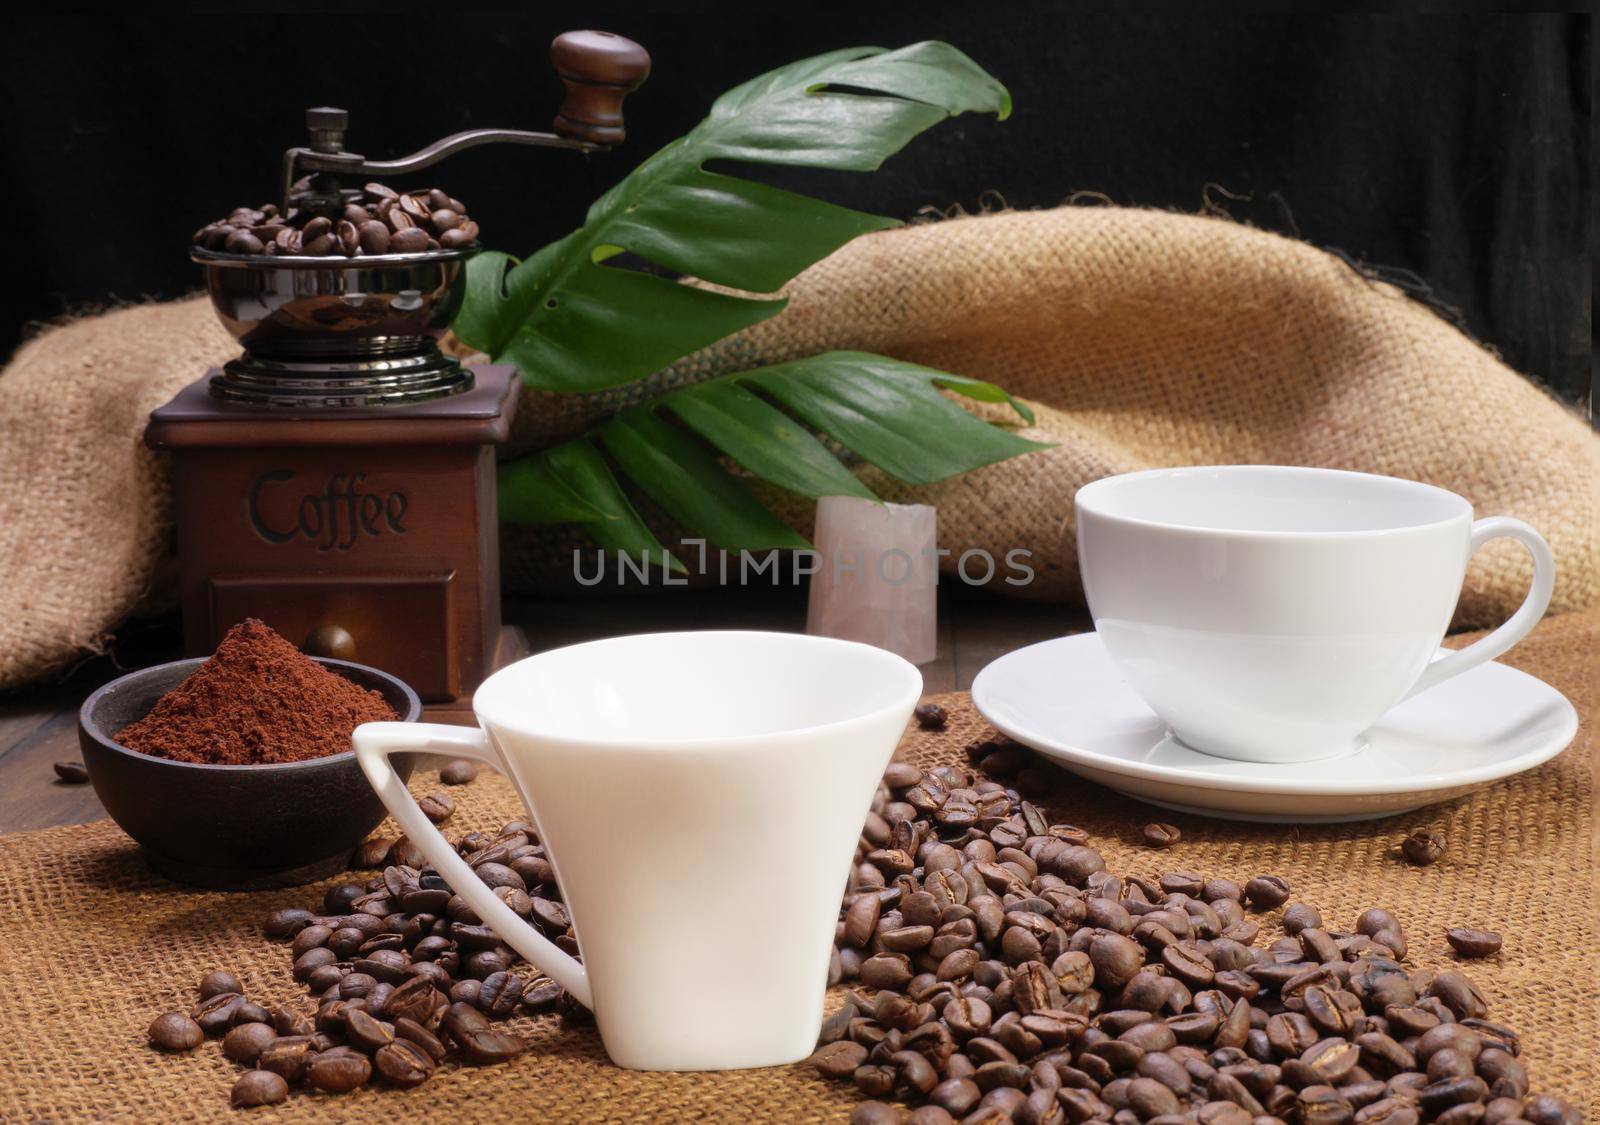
<point>1519,623</point>
<point>374,742</point>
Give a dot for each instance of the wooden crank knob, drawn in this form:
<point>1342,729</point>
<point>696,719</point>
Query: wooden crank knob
<point>599,69</point>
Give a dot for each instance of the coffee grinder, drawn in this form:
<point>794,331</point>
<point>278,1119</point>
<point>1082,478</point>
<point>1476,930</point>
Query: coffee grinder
<point>337,480</point>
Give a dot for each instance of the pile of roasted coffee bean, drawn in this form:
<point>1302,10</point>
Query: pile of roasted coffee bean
<point>382,221</point>
<point>404,974</point>
<point>1014,978</point>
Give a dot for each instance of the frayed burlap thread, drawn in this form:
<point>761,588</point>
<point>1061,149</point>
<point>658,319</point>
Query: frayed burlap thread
<point>93,945</point>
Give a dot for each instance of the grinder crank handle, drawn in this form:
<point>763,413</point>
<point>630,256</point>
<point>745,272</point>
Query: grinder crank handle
<point>599,69</point>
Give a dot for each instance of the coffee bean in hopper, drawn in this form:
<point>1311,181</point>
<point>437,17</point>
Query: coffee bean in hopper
<point>383,221</point>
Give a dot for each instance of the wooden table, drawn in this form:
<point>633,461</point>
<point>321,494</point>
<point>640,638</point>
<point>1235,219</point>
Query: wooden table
<point>38,725</point>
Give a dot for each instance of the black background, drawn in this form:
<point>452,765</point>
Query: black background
<point>1452,148</point>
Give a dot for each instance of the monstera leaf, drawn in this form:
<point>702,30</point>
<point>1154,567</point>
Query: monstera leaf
<point>887,412</point>
<point>573,318</point>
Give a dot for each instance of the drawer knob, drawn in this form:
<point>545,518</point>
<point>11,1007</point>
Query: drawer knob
<point>330,641</point>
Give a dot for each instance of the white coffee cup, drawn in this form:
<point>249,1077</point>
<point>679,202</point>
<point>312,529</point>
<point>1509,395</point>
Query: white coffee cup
<point>700,796</point>
<point>1272,614</point>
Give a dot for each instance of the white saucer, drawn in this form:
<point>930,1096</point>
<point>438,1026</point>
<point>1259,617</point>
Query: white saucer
<point>1067,700</point>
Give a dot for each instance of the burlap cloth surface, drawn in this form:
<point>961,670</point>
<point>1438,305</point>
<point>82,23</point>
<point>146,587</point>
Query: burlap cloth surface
<point>93,946</point>
<point>1143,338</point>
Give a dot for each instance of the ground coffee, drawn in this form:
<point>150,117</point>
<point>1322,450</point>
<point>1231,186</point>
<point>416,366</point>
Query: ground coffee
<point>257,700</point>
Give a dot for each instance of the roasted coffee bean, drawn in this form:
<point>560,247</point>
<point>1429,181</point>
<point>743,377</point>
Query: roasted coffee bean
<point>1266,892</point>
<point>839,1059</point>
<point>406,853</point>
<point>1300,917</point>
<point>1547,1109</point>
<point>461,770</point>
<point>365,1031</point>
<point>437,807</point>
<point>213,984</point>
<point>541,995</point>
<point>215,1014</point>
<point>861,920</point>
<point>1116,959</point>
<point>284,924</point>
<point>1473,943</point>
<point>407,240</point>
<point>500,993</point>
<point>412,1031</point>
<point>480,1044</point>
<point>386,965</point>
<point>403,1063</point>
<point>1460,995</point>
<point>287,1056</point>
<point>1422,847</point>
<point>338,1071</point>
<point>175,1031</point>
<point>551,915</point>
<point>372,853</point>
<point>244,1043</point>
<point>286,1021</point>
<point>73,773</point>
<point>416,998</point>
<point>344,232</point>
<point>930,716</point>
<point>258,1087</point>
<point>1159,835</point>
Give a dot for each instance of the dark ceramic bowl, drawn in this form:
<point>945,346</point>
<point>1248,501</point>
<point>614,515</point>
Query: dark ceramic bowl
<point>233,827</point>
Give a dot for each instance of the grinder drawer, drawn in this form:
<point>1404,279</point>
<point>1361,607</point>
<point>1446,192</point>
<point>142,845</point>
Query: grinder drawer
<point>401,624</point>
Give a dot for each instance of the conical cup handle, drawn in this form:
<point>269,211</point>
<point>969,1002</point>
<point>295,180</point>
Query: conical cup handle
<point>374,743</point>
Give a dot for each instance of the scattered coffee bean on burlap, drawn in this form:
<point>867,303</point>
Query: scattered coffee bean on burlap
<point>175,1031</point>
<point>339,1070</point>
<point>1158,835</point>
<point>1266,892</point>
<point>1422,847</point>
<point>1016,978</point>
<point>437,807</point>
<point>930,716</point>
<point>372,853</point>
<point>258,1087</point>
<point>220,981</point>
<point>1474,943</point>
<point>458,772</point>
<point>73,773</point>
<point>383,960</point>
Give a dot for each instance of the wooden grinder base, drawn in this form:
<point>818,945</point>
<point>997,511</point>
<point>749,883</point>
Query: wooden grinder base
<point>369,534</point>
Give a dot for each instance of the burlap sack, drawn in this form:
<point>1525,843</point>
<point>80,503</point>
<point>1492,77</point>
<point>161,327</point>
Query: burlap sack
<point>93,946</point>
<point>1143,339</point>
